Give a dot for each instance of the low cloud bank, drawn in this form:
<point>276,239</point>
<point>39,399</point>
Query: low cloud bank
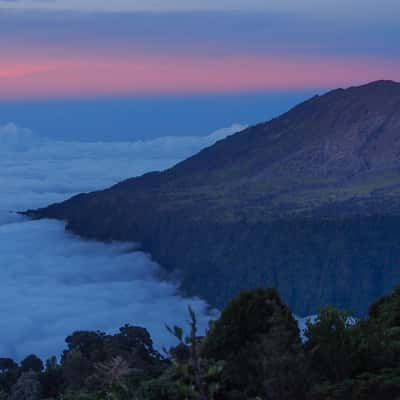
<point>52,283</point>
<point>35,172</point>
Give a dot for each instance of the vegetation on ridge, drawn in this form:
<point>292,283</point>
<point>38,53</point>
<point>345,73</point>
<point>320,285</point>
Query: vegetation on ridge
<point>253,351</point>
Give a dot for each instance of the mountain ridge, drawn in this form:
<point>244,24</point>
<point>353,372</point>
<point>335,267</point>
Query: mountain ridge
<point>332,161</point>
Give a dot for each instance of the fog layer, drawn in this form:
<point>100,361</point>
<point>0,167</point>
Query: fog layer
<point>52,283</point>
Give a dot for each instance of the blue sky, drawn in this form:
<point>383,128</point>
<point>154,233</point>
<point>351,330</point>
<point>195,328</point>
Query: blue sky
<point>97,69</point>
<point>144,117</point>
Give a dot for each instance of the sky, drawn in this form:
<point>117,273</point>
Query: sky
<point>211,62</point>
<point>338,8</point>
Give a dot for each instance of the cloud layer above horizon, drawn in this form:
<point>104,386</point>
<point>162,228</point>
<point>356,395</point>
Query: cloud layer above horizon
<point>92,48</point>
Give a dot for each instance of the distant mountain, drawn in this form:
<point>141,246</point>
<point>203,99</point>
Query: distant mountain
<point>308,202</point>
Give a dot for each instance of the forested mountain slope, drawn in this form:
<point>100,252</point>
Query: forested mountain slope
<point>308,202</point>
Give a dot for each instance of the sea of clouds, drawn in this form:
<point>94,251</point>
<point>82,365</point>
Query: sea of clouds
<point>52,283</point>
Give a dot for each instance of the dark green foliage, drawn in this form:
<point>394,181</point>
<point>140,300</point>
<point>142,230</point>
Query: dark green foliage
<point>178,382</point>
<point>191,376</point>
<point>246,319</point>
<point>9,373</point>
<point>382,330</point>
<point>355,257</point>
<point>52,379</point>
<point>387,310</point>
<point>27,387</point>
<point>90,355</point>
<point>7,364</point>
<point>76,369</point>
<point>332,345</point>
<point>252,352</point>
<point>258,339</point>
<point>135,345</point>
<point>94,366</point>
<point>32,363</point>
<point>282,366</point>
<point>358,360</point>
<point>382,386</point>
<point>89,344</point>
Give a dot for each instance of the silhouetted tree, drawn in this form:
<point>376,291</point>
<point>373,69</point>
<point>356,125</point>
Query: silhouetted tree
<point>27,387</point>
<point>76,369</point>
<point>9,373</point>
<point>89,344</point>
<point>255,328</point>
<point>32,363</point>
<point>51,379</point>
<point>7,364</point>
<point>332,345</point>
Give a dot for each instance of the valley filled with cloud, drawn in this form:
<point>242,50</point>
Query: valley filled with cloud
<point>52,283</point>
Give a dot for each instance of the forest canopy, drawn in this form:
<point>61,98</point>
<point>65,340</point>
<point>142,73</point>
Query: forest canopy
<point>253,351</point>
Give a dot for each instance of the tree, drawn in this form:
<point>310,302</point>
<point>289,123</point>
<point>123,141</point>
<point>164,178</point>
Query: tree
<point>282,364</point>
<point>110,376</point>
<point>7,364</point>
<point>332,345</point>
<point>383,330</point>
<point>27,387</point>
<point>75,369</point>
<point>51,379</point>
<point>135,345</point>
<point>190,376</point>
<point>9,373</point>
<point>187,355</point>
<point>255,328</point>
<point>89,352</point>
<point>31,363</point>
<point>85,350</point>
<point>89,344</point>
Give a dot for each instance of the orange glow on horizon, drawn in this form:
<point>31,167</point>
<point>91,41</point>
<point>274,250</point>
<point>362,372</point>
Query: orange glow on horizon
<point>77,75</point>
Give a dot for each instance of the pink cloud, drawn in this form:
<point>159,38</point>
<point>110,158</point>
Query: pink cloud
<point>10,70</point>
<point>86,75</point>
